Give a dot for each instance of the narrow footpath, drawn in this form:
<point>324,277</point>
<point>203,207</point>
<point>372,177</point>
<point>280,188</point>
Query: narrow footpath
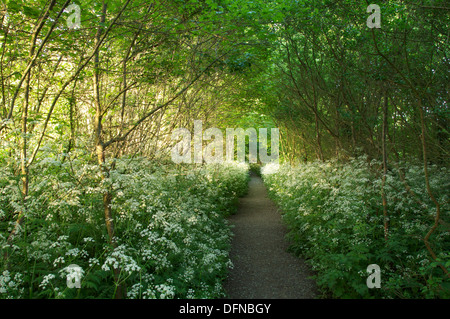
<point>263,269</point>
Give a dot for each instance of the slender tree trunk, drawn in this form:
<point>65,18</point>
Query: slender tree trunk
<point>337,138</point>
<point>318,141</point>
<point>23,158</point>
<point>384,156</point>
<point>353,136</point>
<point>4,111</point>
<point>101,157</point>
<point>24,171</point>
<point>429,191</point>
<point>72,111</point>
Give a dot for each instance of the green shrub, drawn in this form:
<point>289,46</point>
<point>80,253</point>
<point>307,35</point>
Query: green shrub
<point>172,238</point>
<point>335,216</point>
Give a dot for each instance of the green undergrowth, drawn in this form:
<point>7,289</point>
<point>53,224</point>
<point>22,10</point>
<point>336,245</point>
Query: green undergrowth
<point>172,238</point>
<point>335,217</point>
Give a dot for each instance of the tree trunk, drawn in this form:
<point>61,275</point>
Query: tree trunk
<point>24,171</point>
<point>101,157</point>
<point>318,141</point>
<point>429,191</point>
<point>384,156</point>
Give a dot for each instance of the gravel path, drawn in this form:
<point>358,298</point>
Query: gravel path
<point>263,269</point>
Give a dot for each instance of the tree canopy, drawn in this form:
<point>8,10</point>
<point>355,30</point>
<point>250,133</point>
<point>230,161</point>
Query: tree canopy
<point>104,80</point>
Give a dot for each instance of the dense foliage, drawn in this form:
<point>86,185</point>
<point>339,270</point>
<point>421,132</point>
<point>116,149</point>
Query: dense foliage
<point>87,114</point>
<point>172,236</point>
<point>334,214</point>
<point>337,88</point>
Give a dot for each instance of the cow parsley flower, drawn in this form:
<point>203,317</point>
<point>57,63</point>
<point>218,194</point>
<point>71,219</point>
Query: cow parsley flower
<point>46,280</point>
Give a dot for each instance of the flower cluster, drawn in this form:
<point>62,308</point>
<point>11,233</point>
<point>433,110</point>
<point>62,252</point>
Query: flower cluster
<point>335,215</point>
<point>171,237</point>
<point>10,285</point>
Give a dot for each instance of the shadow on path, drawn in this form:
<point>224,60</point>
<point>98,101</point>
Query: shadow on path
<point>263,269</point>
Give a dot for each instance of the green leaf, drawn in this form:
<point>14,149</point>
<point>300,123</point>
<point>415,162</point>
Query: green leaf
<point>31,12</point>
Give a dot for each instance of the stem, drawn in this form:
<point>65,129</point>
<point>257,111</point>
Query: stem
<point>383,183</point>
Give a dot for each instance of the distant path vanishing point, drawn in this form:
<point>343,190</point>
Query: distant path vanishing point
<point>263,269</point>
